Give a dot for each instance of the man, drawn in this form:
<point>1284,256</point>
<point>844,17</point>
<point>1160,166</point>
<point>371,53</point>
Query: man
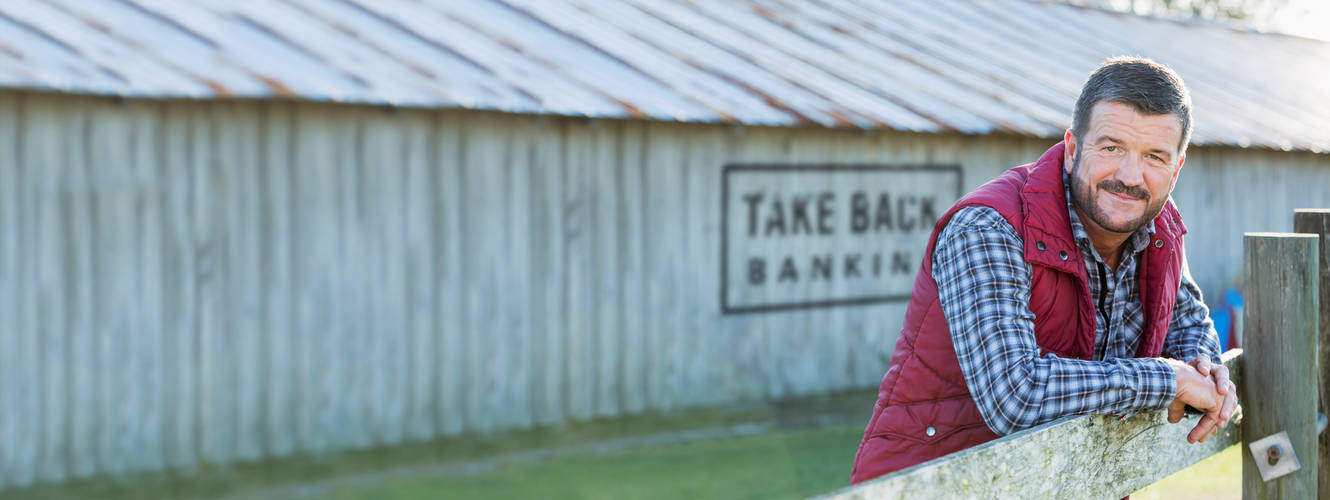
<point>1059,288</point>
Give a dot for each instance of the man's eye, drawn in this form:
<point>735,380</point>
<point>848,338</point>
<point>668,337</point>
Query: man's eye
<point>1156,158</point>
<point>1111,149</point>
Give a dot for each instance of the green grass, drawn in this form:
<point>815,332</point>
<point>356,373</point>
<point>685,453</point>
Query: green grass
<point>404,470</point>
<point>792,464</point>
<point>807,452</point>
<point>1216,478</point>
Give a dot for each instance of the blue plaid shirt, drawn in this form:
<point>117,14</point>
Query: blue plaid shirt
<point>984,289</point>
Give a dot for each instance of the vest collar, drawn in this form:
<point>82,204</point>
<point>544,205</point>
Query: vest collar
<point>1047,231</point>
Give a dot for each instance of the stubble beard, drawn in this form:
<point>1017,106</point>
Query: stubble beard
<point>1082,197</point>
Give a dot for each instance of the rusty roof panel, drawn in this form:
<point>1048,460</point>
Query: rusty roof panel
<point>1012,66</point>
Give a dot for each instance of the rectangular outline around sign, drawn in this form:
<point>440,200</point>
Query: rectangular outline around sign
<point>725,307</point>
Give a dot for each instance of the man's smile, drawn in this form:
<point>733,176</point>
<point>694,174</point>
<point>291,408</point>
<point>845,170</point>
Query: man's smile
<point>1124,197</point>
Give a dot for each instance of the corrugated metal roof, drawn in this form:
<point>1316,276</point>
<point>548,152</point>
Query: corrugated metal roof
<point>1010,66</point>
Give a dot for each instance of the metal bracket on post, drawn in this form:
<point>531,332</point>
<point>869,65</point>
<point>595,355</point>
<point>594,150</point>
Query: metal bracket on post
<point>1274,456</point>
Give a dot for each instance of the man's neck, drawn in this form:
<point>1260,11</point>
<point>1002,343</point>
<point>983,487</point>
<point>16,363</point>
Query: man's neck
<point>1108,244</point>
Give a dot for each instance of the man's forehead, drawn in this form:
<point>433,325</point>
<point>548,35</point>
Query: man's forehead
<point>1119,122</point>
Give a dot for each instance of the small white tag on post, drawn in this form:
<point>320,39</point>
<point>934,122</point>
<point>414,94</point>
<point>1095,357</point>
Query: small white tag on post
<point>1274,456</point>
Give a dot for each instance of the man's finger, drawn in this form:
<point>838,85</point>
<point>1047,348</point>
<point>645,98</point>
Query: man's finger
<point>1230,404</point>
<point>1175,411</point>
<point>1209,421</point>
<point>1202,429</point>
<point>1202,364</point>
<point>1220,374</point>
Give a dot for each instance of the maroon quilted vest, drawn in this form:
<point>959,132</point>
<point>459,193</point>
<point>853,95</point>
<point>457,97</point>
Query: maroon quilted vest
<point>924,409</point>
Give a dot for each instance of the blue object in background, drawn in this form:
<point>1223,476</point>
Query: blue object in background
<point>1233,297</point>
<point>1227,317</point>
<point>1223,325</point>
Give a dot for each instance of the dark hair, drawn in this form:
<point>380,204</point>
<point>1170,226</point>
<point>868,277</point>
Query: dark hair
<point>1150,87</point>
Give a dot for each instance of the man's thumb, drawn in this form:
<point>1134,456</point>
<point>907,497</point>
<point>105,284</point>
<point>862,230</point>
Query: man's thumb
<point>1176,410</point>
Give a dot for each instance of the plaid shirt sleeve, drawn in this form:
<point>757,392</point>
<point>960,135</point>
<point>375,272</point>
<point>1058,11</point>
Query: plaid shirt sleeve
<point>1190,332</point>
<point>984,289</point>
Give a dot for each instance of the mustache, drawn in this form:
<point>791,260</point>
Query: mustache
<point>1118,187</point>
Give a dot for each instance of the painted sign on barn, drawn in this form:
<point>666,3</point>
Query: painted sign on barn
<point>825,235</point>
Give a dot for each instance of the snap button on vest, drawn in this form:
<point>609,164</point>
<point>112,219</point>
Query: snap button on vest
<point>1039,245</point>
<point>1159,243</point>
<point>1063,254</point>
<point>930,431</point>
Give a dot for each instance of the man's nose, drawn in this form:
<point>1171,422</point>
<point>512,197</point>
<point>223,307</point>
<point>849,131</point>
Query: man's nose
<point>1131,170</point>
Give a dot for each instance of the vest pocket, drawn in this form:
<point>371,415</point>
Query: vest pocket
<point>920,435</point>
<point>928,421</point>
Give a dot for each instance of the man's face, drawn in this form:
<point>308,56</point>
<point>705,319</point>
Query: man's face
<point>1123,172</point>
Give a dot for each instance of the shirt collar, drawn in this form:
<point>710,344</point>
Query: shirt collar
<point>1135,243</point>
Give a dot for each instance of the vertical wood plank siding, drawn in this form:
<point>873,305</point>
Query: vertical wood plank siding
<point>208,282</point>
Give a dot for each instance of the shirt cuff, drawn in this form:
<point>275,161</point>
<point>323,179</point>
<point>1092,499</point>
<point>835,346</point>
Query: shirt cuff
<point>1154,386</point>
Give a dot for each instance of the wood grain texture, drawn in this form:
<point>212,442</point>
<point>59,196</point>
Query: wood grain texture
<point>1279,384</point>
<point>420,225</point>
<point>45,155</point>
<point>1095,456</point>
<point>633,277</point>
<point>604,226</point>
<point>244,215</point>
<point>11,341</point>
<point>81,338</point>
<point>1317,221</point>
<point>208,341</point>
<point>548,272</point>
<point>579,325</point>
<point>278,237</point>
<point>110,176</point>
<point>316,274</point>
<point>149,451</point>
<point>347,406</point>
<point>447,174</point>
<point>27,370</point>
<point>519,398</point>
<point>214,185</point>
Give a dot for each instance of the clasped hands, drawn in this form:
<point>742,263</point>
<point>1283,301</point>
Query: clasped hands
<point>1205,386</point>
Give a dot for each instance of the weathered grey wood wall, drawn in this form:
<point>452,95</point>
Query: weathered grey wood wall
<point>188,282</point>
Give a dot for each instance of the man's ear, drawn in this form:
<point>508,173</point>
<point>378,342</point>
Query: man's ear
<point>1069,152</point>
<point>1181,160</point>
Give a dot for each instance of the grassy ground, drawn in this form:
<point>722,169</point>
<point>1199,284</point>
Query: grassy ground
<point>434,469</point>
<point>789,464</point>
<point>1216,478</point>
<point>792,449</point>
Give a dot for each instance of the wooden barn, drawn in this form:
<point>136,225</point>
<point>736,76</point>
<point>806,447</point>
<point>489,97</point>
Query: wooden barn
<point>233,231</point>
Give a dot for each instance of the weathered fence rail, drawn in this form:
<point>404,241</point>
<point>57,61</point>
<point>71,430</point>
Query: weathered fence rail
<point>1102,457</point>
<point>1095,456</point>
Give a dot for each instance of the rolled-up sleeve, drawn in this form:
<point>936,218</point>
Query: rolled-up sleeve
<point>984,290</point>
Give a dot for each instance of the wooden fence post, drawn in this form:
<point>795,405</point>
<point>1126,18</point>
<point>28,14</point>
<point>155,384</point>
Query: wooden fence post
<point>1279,358</point>
<point>1317,221</point>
